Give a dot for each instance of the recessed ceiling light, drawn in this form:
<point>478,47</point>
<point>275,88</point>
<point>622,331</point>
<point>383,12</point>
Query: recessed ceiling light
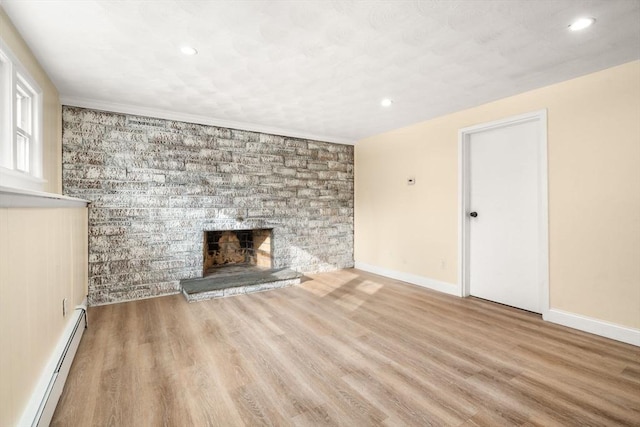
<point>386,102</point>
<point>582,23</point>
<point>188,50</point>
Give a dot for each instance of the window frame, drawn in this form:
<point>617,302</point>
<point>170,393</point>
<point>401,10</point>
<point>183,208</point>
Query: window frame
<point>15,79</point>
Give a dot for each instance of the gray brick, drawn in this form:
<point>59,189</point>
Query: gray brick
<point>230,143</point>
<point>318,166</point>
<point>295,162</point>
<point>267,158</point>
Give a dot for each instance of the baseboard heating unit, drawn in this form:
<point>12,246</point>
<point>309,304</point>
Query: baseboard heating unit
<point>49,389</point>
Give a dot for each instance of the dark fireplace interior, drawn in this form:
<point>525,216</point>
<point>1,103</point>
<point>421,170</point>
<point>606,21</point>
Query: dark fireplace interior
<point>224,248</point>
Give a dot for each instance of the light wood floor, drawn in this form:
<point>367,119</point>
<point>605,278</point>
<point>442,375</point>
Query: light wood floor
<point>345,348</point>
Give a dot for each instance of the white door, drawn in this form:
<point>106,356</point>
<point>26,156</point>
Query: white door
<point>504,222</point>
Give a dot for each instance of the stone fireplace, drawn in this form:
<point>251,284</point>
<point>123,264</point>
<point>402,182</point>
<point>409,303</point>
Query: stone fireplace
<point>236,247</point>
<point>156,185</point>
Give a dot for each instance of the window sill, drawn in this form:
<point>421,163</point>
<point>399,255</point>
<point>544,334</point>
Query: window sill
<point>19,180</point>
<point>19,198</point>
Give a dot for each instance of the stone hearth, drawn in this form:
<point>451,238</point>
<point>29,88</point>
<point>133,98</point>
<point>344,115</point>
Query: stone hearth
<point>238,281</point>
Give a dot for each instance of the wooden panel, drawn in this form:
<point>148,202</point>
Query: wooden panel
<point>43,260</point>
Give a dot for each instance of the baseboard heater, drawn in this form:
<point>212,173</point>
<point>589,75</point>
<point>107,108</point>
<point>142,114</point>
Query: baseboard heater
<point>46,395</point>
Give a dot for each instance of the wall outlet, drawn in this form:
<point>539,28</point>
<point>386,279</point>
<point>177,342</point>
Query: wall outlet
<point>64,307</point>
<point>443,264</point>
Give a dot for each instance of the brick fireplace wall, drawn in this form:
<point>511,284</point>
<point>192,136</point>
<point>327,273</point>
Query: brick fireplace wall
<point>155,185</point>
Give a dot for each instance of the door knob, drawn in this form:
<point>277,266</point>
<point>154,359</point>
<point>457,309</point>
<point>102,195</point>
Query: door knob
<point>473,214</point>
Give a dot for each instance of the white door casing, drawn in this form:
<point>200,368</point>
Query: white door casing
<point>503,252</point>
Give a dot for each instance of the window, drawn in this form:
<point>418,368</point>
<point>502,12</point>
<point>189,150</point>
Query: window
<point>24,128</point>
<point>20,125</point>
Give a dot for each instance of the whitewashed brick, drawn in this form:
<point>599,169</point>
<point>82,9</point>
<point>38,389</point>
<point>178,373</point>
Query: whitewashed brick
<point>156,185</point>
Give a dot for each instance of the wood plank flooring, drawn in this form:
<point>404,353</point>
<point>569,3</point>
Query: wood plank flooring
<point>344,348</point>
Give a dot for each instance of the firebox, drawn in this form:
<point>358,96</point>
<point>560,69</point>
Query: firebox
<point>236,247</point>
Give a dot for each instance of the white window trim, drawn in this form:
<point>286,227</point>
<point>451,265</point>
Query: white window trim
<point>13,73</point>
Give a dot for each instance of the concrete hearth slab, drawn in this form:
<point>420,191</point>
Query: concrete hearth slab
<point>215,286</point>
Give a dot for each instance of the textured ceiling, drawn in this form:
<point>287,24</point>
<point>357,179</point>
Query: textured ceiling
<point>317,68</point>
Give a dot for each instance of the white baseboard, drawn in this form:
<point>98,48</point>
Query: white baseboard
<point>594,326</point>
<point>571,320</point>
<point>425,282</point>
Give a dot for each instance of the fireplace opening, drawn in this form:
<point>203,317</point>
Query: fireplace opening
<point>226,248</point>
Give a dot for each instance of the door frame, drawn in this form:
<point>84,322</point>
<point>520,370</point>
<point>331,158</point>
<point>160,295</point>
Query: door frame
<point>464,137</point>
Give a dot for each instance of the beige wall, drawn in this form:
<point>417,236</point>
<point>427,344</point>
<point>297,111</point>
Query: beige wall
<point>52,127</point>
<point>594,193</point>
<point>43,259</point>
